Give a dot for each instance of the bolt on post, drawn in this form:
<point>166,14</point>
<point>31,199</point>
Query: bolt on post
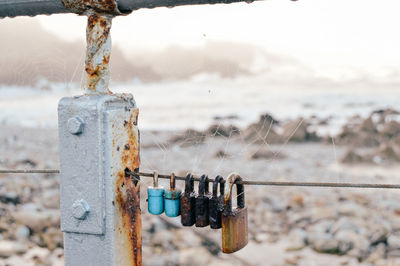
<point>99,143</point>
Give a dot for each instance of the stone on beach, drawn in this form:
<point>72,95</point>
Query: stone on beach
<point>189,137</point>
<point>298,131</point>
<point>38,220</point>
<point>263,131</point>
<point>9,248</point>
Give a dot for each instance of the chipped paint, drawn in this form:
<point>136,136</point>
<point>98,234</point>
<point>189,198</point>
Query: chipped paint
<point>98,52</point>
<point>127,189</point>
<point>93,166</point>
<point>98,47</point>
<point>128,201</point>
<point>98,6</point>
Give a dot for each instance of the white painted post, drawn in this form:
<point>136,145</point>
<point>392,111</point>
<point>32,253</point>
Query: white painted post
<point>99,146</point>
<point>100,207</point>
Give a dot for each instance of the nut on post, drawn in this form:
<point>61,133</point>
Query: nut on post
<point>75,125</point>
<point>80,209</point>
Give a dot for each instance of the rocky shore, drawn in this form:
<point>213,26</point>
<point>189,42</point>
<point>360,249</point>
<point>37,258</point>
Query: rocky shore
<point>287,225</point>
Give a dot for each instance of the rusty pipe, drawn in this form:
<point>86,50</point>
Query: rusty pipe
<point>98,52</point>
<point>13,8</point>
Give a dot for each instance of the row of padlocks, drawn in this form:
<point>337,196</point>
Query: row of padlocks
<point>205,208</point>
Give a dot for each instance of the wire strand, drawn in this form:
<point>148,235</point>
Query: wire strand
<point>244,182</point>
<point>29,171</point>
<point>287,183</point>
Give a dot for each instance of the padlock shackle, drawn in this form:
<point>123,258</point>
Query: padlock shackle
<point>232,180</point>
<point>155,179</point>
<point>189,183</point>
<point>172,181</point>
<point>203,185</point>
<point>219,179</point>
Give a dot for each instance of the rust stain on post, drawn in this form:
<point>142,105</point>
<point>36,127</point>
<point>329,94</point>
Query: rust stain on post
<point>98,52</point>
<point>98,49</point>
<point>128,195</point>
<point>129,205</point>
<point>131,151</point>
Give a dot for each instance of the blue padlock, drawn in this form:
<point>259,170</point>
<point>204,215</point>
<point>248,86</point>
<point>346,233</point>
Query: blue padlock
<point>172,199</point>
<point>155,198</point>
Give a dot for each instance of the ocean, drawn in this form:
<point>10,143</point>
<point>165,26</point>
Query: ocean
<point>206,99</point>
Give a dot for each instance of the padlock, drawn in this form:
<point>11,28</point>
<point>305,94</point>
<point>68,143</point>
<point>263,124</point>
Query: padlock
<point>188,202</point>
<point>155,198</point>
<point>216,204</point>
<point>234,222</point>
<point>172,199</point>
<point>202,200</point>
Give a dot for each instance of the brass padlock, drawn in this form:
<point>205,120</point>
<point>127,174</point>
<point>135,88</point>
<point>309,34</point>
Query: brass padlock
<point>202,200</point>
<point>216,203</point>
<point>234,222</point>
<point>188,202</point>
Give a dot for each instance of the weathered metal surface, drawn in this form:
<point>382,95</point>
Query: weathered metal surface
<point>93,168</point>
<point>98,6</point>
<point>216,203</point>
<point>138,4</point>
<point>188,202</point>
<point>98,52</point>
<point>202,200</point>
<point>12,8</point>
<point>127,188</point>
<point>234,222</point>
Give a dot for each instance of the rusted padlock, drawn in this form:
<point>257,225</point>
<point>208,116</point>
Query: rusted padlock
<point>188,202</point>
<point>234,222</point>
<point>216,203</point>
<point>202,200</point>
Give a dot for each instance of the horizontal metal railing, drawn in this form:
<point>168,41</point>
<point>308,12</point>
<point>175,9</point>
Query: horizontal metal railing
<point>13,8</point>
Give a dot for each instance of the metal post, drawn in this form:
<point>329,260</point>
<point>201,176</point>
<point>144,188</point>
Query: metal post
<point>99,146</point>
<point>100,207</point>
<point>98,52</point>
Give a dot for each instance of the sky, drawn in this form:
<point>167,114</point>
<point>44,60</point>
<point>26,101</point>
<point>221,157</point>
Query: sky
<point>330,35</point>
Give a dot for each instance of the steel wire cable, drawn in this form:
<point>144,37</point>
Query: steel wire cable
<point>245,182</point>
<point>29,171</point>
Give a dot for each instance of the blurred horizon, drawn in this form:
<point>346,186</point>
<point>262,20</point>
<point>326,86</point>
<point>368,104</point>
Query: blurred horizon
<point>187,65</point>
<point>302,44</point>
